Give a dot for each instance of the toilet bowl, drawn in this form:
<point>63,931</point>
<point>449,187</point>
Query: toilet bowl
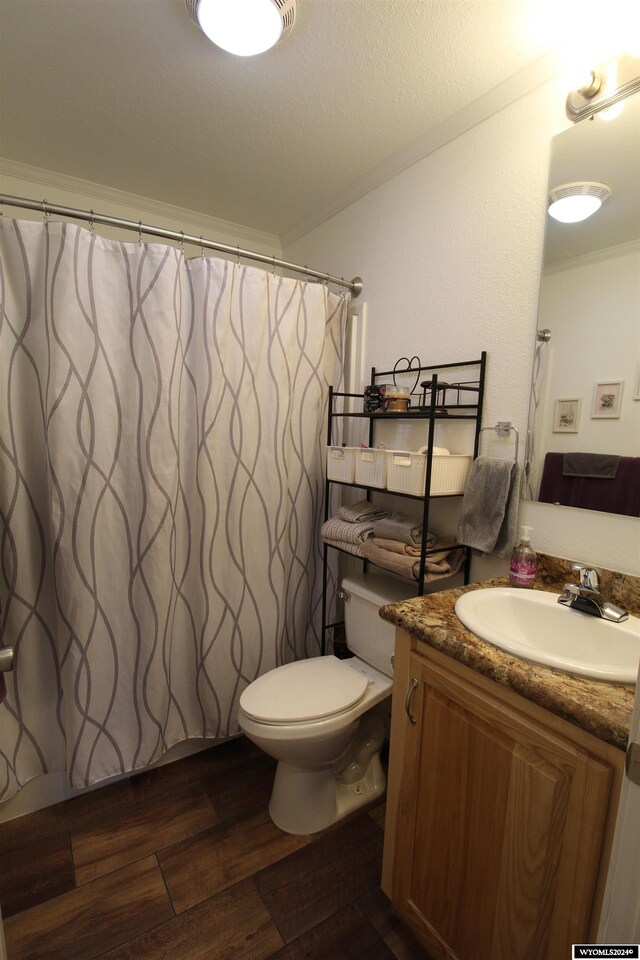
<point>324,720</point>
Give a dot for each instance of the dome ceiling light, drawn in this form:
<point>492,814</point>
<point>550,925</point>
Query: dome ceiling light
<point>243,27</point>
<point>573,202</point>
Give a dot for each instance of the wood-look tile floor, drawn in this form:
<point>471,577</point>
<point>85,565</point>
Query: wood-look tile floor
<point>183,863</point>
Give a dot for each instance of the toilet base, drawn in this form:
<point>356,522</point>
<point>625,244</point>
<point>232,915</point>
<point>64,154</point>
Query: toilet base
<point>305,800</point>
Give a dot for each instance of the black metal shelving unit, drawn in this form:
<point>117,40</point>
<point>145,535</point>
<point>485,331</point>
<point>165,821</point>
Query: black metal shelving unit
<point>432,412</point>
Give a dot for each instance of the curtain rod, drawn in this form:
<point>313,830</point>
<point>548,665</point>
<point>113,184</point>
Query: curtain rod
<point>44,207</point>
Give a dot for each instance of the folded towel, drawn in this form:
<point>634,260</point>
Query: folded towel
<point>441,546</point>
<point>399,527</point>
<point>489,513</point>
<point>603,465</point>
<point>337,529</point>
<point>343,545</point>
<point>409,567</point>
<point>362,510</point>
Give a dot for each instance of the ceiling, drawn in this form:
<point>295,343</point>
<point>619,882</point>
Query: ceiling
<point>131,95</point>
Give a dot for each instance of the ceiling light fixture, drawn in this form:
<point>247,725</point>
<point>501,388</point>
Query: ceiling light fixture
<point>573,202</point>
<point>243,27</point>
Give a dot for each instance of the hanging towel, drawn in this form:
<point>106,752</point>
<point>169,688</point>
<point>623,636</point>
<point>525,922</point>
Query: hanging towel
<point>360,511</point>
<point>489,513</point>
<point>405,529</point>
<point>619,494</point>
<point>602,465</point>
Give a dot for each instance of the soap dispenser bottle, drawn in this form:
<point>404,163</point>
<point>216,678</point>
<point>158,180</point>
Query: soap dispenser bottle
<point>524,562</point>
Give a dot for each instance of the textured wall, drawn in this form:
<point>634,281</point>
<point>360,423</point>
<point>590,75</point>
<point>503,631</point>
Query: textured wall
<point>450,251</point>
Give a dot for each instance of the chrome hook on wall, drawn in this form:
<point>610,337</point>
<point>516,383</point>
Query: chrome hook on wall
<point>6,659</point>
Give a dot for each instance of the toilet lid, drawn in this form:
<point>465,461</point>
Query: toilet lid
<point>305,690</point>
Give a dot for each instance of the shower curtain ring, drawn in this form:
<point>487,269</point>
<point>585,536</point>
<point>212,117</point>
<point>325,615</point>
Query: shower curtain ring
<point>92,227</point>
<point>201,247</point>
<point>274,264</point>
<point>139,233</point>
<point>238,254</point>
<point>45,212</point>
<point>182,242</point>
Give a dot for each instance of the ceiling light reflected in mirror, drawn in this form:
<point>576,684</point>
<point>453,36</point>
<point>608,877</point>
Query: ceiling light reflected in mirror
<point>573,202</point>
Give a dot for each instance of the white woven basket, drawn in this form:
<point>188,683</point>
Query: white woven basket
<point>371,467</point>
<point>406,473</point>
<point>341,464</point>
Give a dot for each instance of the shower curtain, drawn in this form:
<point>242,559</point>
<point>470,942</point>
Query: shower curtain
<point>161,461</point>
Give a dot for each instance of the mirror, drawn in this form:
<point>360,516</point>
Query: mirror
<point>585,396</point>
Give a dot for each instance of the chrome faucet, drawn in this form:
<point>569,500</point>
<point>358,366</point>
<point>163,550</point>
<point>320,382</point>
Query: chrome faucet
<point>586,597</point>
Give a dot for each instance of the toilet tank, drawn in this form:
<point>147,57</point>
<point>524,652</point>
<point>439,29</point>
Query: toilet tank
<point>368,636</point>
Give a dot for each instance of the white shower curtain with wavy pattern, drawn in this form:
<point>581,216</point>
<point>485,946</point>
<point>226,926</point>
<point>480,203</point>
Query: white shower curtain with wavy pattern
<point>161,448</point>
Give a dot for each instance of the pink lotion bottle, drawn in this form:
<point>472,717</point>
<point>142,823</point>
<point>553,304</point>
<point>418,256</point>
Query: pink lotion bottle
<point>524,563</point>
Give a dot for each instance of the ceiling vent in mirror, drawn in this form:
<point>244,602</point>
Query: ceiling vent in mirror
<point>573,202</point>
<point>243,27</point>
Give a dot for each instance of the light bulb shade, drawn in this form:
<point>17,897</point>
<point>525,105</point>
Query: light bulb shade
<point>243,27</point>
<point>573,202</point>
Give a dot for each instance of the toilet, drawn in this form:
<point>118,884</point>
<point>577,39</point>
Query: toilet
<point>324,720</point>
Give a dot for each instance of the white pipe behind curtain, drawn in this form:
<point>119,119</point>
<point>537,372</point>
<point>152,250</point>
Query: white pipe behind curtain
<point>161,478</point>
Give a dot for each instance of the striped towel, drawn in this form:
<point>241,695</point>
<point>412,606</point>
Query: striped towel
<point>360,511</point>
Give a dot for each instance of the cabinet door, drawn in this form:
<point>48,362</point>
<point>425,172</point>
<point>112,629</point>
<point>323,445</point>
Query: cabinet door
<point>499,852</point>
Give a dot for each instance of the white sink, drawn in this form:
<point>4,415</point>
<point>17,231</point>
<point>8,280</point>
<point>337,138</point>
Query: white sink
<point>532,624</point>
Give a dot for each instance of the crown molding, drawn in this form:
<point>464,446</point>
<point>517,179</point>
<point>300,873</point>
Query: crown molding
<point>594,256</point>
<point>154,211</point>
<point>535,75</point>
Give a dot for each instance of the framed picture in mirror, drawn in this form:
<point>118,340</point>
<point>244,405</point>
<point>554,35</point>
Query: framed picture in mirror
<point>566,416</point>
<point>606,399</point>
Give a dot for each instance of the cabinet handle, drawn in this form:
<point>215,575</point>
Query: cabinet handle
<point>407,702</point>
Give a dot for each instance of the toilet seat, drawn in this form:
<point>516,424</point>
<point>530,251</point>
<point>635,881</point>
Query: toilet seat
<point>304,691</point>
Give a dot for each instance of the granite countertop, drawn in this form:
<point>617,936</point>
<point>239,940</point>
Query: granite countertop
<point>602,709</point>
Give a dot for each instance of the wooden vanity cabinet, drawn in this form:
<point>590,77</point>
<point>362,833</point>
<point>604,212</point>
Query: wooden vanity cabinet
<point>499,816</point>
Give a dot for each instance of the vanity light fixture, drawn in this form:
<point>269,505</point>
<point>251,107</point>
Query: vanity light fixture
<point>573,202</point>
<point>243,27</point>
<point>604,88</point>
